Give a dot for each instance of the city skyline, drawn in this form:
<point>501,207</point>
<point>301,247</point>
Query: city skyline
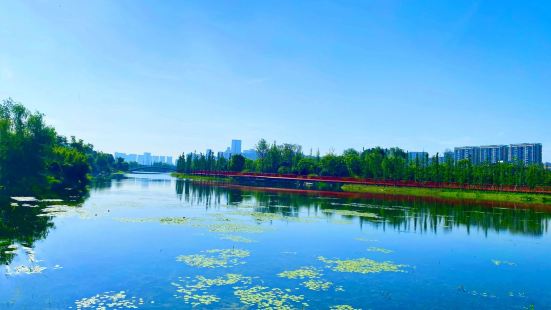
<point>189,76</point>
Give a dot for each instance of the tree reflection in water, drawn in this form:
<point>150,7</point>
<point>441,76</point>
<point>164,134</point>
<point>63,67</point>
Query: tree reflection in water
<point>411,214</point>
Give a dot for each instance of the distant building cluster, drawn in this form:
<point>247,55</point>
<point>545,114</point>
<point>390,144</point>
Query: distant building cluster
<point>235,149</point>
<point>147,159</point>
<point>527,153</point>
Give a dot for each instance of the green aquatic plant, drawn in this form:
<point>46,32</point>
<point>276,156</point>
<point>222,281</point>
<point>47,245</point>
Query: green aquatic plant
<point>366,240</point>
<point>262,297</point>
<point>135,220</point>
<point>301,273</point>
<point>235,238</point>
<point>380,250</point>
<point>502,262</point>
<point>317,285</point>
<point>361,265</point>
<point>343,307</point>
<point>215,258</point>
<point>190,289</point>
<point>24,270</point>
<point>109,300</point>
<point>352,213</point>
<point>235,228</point>
<point>64,210</point>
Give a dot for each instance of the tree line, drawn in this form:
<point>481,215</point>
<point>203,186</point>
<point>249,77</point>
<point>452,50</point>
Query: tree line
<point>373,163</point>
<point>34,159</point>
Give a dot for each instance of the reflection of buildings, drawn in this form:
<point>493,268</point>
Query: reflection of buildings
<point>147,159</point>
<point>527,153</point>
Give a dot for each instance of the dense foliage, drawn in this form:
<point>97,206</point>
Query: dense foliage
<point>375,163</point>
<point>34,159</point>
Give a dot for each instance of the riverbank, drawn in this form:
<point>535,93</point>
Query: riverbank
<point>508,197</point>
<point>203,178</point>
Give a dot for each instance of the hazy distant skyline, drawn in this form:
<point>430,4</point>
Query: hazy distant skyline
<point>169,77</point>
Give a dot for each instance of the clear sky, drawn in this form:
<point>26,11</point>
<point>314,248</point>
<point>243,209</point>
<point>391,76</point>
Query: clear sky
<point>168,77</point>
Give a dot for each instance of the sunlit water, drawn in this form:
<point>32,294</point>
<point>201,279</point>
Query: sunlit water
<point>127,237</point>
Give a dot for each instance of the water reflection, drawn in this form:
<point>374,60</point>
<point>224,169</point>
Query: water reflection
<point>24,224</point>
<point>412,215</point>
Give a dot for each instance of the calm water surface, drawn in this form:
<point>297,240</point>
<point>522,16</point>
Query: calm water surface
<point>157,240</point>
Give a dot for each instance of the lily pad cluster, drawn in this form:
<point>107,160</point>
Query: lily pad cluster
<point>236,238</point>
<point>380,250</point>
<point>195,292</point>
<point>301,273</point>
<point>235,228</point>
<point>361,265</point>
<point>502,262</point>
<point>343,307</point>
<point>312,275</point>
<point>352,213</point>
<point>109,300</point>
<point>263,297</point>
<point>215,258</point>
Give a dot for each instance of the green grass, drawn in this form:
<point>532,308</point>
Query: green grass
<point>198,177</point>
<point>450,193</point>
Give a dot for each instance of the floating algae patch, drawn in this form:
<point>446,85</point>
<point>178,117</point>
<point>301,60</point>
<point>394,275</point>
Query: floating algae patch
<point>235,228</point>
<point>502,262</point>
<point>262,297</point>
<point>343,307</point>
<point>180,220</point>
<point>109,300</point>
<point>366,240</point>
<point>380,250</point>
<point>135,220</point>
<point>215,258</point>
<point>190,289</point>
<point>301,273</point>
<point>317,285</point>
<point>361,265</point>
<point>351,213</point>
<point>19,270</point>
<point>63,210</point>
<point>235,238</point>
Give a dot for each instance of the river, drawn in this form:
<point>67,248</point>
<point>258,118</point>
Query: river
<point>154,242</point>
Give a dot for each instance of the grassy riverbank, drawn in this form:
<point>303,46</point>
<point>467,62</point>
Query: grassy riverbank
<point>450,194</point>
<point>198,177</point>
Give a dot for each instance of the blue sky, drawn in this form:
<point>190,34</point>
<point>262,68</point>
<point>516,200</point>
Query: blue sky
<point>168,77</point>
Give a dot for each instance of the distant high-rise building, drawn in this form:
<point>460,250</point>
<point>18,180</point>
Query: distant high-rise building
<point>528,153</point>
<point>132,158</point>
<point>147,159</point>
<point>547,166</point>
<point>140,160</point>
<point>421,156</point>
<point>250,154</point>
<point>493,154</point>
<point>472,153</point>
<point>447,156</point>
<point>169,160</point>
<point>235,147</point>
<point>120,155</point>
<point>227,153</point>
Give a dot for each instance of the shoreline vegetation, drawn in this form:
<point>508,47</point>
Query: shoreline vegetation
<point>384,164</point>
<point>508,197</point>
<point>442,193</point>
<point>35,160</point>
